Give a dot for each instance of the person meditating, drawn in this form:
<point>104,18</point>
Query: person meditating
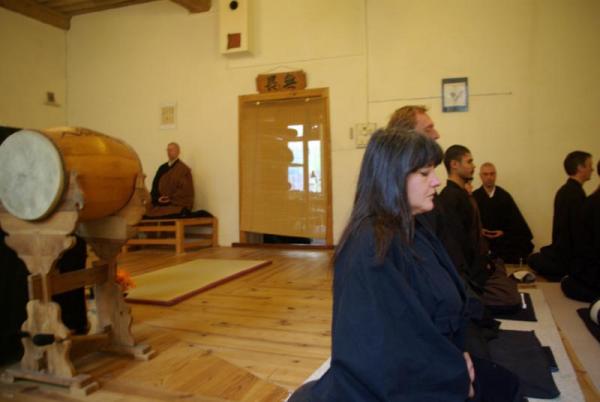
<point>172,188</point>
<point>414,117</point>
<point>399,306</point>
<point>583,283</point>
<point>554,261</point>
<point>504,227</point>
<point>486,277</point>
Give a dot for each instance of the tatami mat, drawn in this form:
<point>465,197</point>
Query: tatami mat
<point>171,285</point>
<point>585,345</point>
<point>547,332</point>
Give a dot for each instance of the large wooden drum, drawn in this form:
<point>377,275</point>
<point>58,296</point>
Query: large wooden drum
<point>35,168</point>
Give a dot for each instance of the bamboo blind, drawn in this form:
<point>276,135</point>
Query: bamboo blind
<point>283,178</point>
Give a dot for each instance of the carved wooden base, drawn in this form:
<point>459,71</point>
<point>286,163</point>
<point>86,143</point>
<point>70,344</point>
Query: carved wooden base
<point>79,385</point>
<point>49,347</point>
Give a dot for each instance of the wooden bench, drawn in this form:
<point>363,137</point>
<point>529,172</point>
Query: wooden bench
<point>173,232</point>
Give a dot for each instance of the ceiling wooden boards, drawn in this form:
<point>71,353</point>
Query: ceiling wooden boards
<point>58,13</point>
<point>33,9</point>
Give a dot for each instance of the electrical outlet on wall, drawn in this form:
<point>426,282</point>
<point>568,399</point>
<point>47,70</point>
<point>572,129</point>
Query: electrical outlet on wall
<point>362,133</point>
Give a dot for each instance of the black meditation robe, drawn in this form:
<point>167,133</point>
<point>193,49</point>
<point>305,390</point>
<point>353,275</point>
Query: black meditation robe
<point>497,291</point>
<point>442,228</point>
<point>586,263</point>
<point>555,261</point>
<point>591,223</point>
<point>398,325</point>
<point>13,298</point>
<point>459,216</point>
<point>500,212</point>
<point>566,223</point>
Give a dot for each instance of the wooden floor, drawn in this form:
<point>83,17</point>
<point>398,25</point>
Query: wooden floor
<point>274,322</point>
<point>252,339</point>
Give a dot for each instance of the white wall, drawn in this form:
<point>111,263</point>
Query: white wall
<point>33,62</point>
<point>122,64</point>
<point>532,68</point>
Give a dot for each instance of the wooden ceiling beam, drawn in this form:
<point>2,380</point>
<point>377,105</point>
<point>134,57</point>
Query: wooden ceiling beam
<point>39,12</point>
<point>194,6</point>
<point>92,7</point>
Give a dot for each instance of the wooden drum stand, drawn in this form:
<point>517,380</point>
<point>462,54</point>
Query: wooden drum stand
<point>48,344</point>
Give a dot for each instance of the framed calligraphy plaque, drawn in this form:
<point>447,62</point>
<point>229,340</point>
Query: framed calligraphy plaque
<point>288,81</point>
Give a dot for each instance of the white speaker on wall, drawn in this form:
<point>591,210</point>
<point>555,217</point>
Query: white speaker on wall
<point>234,26</point>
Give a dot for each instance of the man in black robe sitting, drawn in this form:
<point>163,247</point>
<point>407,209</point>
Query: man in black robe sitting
<point>461,216</point>
<point>504,227</point>
<point>583,283</point>
<point>554,261</point>
<point>459,213</point>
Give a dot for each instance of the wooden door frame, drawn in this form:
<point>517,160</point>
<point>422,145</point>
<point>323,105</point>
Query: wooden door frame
<point>322,93</point>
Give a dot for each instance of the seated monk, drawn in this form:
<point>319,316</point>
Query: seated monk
<point>461,215</point>
<point>583,283</point>
<point>554,261</point>
<point>172,188</point>
<point>507,232</point>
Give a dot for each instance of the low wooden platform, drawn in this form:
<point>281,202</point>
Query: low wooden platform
<point>174,232</point>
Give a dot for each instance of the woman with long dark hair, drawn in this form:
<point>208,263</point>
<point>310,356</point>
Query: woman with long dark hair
<point>399,311</point>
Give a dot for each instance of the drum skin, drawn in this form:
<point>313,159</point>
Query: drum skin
<point>106,171</point>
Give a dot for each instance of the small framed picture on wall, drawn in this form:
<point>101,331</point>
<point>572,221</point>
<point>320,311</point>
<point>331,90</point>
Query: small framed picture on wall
<point>455,94</point>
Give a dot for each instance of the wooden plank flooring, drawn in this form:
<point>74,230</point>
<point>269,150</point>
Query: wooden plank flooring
<point>251,340</point>
<point>274,322</point>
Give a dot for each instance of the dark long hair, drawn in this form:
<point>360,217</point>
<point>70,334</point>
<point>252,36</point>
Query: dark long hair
<point>381,199</point>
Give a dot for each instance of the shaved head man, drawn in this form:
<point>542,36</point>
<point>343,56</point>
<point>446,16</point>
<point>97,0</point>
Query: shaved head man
<point>414,117</point>
<point>172,188</point>
<point>487,174</point>
<point>173,151</point>
<point>508,234</point>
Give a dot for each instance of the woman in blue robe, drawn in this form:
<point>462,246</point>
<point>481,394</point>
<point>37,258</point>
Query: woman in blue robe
<point>399,308</point>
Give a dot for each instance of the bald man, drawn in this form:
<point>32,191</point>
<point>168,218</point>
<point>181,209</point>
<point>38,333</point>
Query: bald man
<point>507,232</point>
<point>172,188</point>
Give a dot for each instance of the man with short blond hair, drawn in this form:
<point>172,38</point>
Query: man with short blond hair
<point>414,117</point>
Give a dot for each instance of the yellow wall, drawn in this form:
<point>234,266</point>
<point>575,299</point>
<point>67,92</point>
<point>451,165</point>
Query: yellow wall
<point>533,77</point>
<point>33,62</point>
<point>532,68</point>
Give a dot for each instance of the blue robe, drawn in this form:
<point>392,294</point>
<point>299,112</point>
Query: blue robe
<point>398,325</point>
